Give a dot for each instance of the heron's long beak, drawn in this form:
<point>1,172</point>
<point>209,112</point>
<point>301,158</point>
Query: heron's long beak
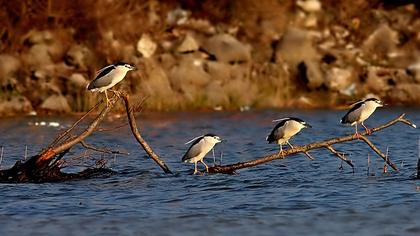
<point>308,126</point>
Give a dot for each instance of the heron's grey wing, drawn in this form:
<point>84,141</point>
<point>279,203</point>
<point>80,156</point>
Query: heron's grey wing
<point>194,150</point>
<point>353,114</point>
<point>104,71</point>
<point>277,132</point>
<point>102,79</point>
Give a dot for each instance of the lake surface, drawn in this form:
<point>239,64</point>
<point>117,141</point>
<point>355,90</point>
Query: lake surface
<point>294,196</point>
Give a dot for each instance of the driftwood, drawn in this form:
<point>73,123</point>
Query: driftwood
<point>326,144</point>
<point>46,166</point>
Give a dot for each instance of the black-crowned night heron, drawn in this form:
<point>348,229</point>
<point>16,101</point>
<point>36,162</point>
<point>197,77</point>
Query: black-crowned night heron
<point>286,129</point>
<point>199,148</point>
<point>360,111</point>
<point>108,77</point>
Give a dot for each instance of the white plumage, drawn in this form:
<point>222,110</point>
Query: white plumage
<point>199,148</point>
<point>286,129</point>
<point>108,77</point>
<point>361,111</point>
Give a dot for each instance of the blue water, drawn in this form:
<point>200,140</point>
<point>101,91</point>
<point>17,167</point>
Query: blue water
<point>294,196</point>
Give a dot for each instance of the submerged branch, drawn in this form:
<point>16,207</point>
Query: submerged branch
<point>229,169</point>
<point>341,156</point>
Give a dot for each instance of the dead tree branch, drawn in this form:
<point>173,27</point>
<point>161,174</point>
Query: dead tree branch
<point>139,138</point>
<point>230,169</point>
<point>65,133</point>
<point>50,153</point>
<point>340,155</point>
<point>103,150</point>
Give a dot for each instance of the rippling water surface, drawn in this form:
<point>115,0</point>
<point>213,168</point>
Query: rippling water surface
<point>294,196</point>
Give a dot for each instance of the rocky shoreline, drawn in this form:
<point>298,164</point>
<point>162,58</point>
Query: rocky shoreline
<point>206,55</point>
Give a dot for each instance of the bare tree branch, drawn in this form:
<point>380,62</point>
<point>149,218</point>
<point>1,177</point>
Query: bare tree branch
<point>104,150</point>
<point>139,138</point>
<point>229,169</point>
<point>61,136</point>
<point>49,154</point>
<point>382,155</point>
<point>341,156</point>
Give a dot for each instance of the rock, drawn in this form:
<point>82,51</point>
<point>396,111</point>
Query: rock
<point>381,43</point>
<point>381,79</point>
<point>241,92</point>
<point>155,83</point>
<point>38,37</point>
<point>9,66</point>
<point>78,80</point>
<point>189,76</point>
<point>296,46</point>
<point>216,95</point>
<point>53,43</point>
<point>79,56</point>
<point>56,103</point>
<point>309,5</point>
<point>177,16</point>
<point>15,105</point>
<point>414,70</point>
<point>297,51</point>
<point>375,81</point>
<point>407,94</point>
<point>227,49</point>
<point>218,70</point>
<point>200,26</point>
<point>189,44</point>
<point>339,79</point>
<point>146,46</point>
<point>38,56</point>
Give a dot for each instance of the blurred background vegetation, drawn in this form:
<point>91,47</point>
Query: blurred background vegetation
<point>209,54</point>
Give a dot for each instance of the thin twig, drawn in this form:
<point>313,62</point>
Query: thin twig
<point>341,156</point>
<point>103,150</point>
<point>112,129</point>
<point>1,155</point>
<point>309,156</point>
<point>386,159</point>
<point>26,152</point>
<point>418,161</point>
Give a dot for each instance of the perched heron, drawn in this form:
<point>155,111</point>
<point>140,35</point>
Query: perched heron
<point>199,148</point>
<point>360,111</point>
<point>286,129</point>
<point>108,77</point>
